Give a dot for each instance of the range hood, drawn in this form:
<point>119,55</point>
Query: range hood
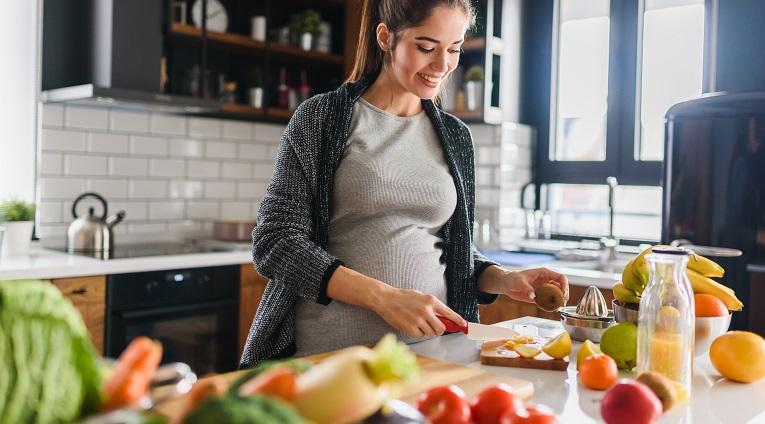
<point>109,53</point>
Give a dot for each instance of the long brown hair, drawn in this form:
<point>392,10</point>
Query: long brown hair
<point>397,15</point>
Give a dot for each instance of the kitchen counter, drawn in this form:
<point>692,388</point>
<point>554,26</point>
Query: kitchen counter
<point>43,263</point>
<point>713,400</point>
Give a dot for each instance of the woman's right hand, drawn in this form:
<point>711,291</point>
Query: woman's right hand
<point>414,313</point>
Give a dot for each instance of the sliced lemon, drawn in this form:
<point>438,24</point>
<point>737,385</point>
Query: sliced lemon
<point>526,351</point>
<point>588,349</point>
<point>559,347</point>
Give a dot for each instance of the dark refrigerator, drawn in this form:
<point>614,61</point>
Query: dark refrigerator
<point>714,190</point>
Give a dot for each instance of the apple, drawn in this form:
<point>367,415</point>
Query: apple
<point>630,402</point>
<point>494,402</point>
<point>536,414</point>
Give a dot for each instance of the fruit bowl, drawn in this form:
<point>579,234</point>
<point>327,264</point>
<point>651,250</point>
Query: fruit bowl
<point>625,312</point>
<point>707,330</point>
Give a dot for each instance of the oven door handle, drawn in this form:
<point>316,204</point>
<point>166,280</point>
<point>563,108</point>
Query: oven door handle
<point>163,310</point>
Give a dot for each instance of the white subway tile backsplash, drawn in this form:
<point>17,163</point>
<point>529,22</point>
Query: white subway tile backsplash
<point>484,176</point>
<point>205,127</point>
<point>237,170</point>
<point>202,169</point>
<point>488,155</point>
<point>134,211</point>
<point>120,120</point>
<point>168,124</point>
<point>186,189</point>
<point>128,167</point>
<point>146,145</point>
<point>202,209</point>
<point>237,130</point>
<point>88,118</point>
<point>61,188</point>
<point>248,190</point>
<point>152,229</point>
<point>107,143</point>
<point>268,132</point>
<point>84,165</point>
<point>51,164</point>
<point>109,188</point>
<point>49,212</point>
<point>167,167</point>
<point>53,115</point>
<point>220,190</point>
<point>236,210</point>
<point>186,148</point>
<point>263,171</point>
<point>148,189</point>
<point>220,149</point>
<point>52,230</point>
<point>253,151</point>
<point>73,141</point>
<point>166,210</point>
<point>184,227</point>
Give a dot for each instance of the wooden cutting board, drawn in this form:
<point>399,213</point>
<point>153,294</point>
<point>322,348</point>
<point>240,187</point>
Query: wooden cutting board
<point>495,353</point>
<point>433,372</point>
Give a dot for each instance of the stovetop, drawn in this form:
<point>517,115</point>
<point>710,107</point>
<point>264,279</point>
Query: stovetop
<point>149,249</point>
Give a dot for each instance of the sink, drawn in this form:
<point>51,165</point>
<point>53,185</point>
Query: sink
<point>615,267</point>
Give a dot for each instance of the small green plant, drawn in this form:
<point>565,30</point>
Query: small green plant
<point>16,210</point>
<point>474,73</point>
<point>308,21</point>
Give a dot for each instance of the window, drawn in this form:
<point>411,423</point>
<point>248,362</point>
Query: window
<point>616,67</point>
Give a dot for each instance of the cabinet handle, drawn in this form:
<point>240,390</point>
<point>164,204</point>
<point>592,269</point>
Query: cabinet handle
<point>80,291</point>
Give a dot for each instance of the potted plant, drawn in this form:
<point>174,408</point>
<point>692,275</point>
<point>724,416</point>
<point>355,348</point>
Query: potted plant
<point>474,87</point>
<point>304,26</point>
<point>18,219</point>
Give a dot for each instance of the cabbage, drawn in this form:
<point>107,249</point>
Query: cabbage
<point>49,369</point>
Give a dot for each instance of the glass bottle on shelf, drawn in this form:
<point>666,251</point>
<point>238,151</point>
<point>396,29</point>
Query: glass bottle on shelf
<point>666,320</point>
<point>283,99</point>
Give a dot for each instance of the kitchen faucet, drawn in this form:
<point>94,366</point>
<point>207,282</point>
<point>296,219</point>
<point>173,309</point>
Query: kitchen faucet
<point>609,244</point>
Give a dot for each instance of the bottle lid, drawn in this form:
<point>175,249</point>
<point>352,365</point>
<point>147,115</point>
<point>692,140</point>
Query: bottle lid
<point>671,251</point>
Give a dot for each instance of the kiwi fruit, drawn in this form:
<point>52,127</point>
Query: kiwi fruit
<point>548,297</point>
<point>661,386</point>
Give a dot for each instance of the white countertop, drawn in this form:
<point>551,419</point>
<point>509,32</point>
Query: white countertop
<point>43,263</point>
<point>713,399</point>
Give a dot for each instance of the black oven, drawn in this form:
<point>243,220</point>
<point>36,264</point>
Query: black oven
<point>193,312</point>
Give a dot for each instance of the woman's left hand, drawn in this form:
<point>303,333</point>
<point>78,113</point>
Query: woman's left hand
<point>520,285</point>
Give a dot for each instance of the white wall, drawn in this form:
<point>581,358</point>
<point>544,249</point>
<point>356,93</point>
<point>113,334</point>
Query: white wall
<point>18,102</point>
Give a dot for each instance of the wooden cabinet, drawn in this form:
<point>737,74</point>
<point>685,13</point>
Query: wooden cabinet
<point>505,308</point>
<point>251,290</point>
<point>88,295</point>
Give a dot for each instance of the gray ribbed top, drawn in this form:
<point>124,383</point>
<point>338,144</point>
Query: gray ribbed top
<point>392,194</point>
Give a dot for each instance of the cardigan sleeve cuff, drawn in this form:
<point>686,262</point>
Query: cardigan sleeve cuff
<point>483,297</point>
<point>323,298</point>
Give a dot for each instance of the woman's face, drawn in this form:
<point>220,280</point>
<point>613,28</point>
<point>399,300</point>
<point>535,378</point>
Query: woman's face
<point>424,55</point>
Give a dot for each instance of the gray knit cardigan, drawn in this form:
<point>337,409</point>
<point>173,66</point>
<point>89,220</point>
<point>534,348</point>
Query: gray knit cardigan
<point>290,240</point>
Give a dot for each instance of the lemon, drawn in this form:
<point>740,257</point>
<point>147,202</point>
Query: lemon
<point>526,351</point>
<point>588,349</point>
<point>558,347</point>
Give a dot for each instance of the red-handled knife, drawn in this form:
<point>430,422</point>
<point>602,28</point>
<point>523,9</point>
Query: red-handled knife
<point>477,331</point>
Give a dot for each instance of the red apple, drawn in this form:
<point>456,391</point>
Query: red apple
<point>536,414</point>
<point>630,402</point>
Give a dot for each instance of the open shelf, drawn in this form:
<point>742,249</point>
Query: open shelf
<point>467,115</point>
<point>474,44</point>
<point>242,44</point>
<point>241,109</point>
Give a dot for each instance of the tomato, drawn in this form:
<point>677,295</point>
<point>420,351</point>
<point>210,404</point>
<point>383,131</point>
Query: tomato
<point>494,402</point>
<point>444,405</point>
<point>537,414</point>
<point>278,382</point>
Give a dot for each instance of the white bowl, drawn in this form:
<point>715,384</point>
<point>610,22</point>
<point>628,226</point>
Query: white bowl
<point>707,330</point>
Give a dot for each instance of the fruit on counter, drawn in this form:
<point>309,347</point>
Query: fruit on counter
<point>132,373</point>
<point>623,294</point>
<point>280,382</point>
<point>709,306</point>
<point>353,383</point>
<point>518,340</point>
<point>396,412</point>
<point>233,409</point>
<point>549,297</point>
<point>297,365</point>
<point>494,402</point>
<point>559,347</point>
<point>598,372</point>
<point>203,390</point>
<point>535,414</point>
<point>705,266</point>
<point>588,348</point>
<point>526,351</point>
<point>739,356</point>
<point>49,370</point>
<point>705,285</point>
<point>630,402</point>
<point>619,341</point>
<point>661,386</point>
<point>445,405</point>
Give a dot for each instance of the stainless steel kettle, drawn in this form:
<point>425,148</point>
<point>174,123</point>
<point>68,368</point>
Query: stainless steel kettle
<point>91,233</point>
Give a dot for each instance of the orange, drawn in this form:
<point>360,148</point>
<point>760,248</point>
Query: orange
<point>598,372</point>
<point>709,306</point>
<point>739,356</point>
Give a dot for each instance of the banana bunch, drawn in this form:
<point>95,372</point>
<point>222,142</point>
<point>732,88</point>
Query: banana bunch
<point>636,275</point>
